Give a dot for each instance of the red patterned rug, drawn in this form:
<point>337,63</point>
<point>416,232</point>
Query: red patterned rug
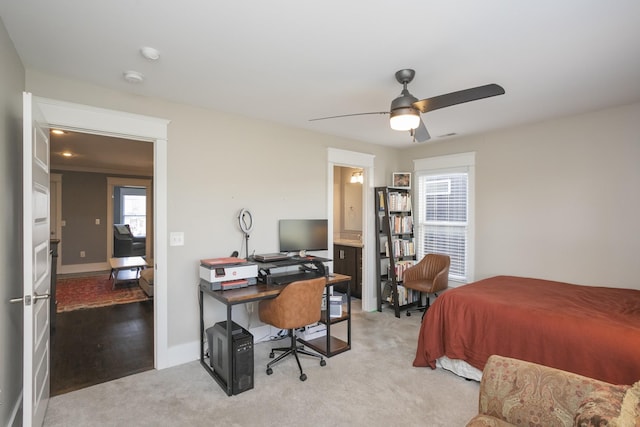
<point>76,293</point>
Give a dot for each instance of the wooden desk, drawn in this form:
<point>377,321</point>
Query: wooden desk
<point>327,345</point>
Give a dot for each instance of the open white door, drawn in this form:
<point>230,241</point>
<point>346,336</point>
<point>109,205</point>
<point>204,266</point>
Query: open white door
<point>37,265</point>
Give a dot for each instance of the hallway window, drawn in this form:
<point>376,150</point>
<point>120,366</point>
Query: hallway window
<point>134,213</point>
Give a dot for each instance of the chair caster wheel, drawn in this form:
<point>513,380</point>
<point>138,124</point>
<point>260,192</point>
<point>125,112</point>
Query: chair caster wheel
<point>323,362</point>
<point>303,377</point>
<point>271,355</point>
<point>269,371</point>
<point>408,314</point>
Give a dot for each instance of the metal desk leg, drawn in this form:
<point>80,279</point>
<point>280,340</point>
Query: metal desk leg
<point>229,352</point>
<point>328,319</point>
<point>349,314</point>
<point>201,328</point>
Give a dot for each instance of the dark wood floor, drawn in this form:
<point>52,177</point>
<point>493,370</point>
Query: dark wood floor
<point>101,344</point>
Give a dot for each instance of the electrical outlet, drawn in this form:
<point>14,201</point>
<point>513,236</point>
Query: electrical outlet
<point>97,221</point>
<point>82,254</point>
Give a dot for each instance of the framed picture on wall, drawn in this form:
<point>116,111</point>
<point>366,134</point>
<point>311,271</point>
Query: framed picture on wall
<point>401,180</point>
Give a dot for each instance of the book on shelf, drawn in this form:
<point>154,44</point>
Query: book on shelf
<point>399,201</point>
<point>401,267</point>
<point>403,247</point>
<point>405,296</point>
<point>401,224</point>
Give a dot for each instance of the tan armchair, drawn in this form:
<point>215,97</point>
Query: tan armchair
<point>298,305</point>
<point>429,276</point>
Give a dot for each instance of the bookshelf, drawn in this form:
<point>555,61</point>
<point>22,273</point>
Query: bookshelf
<point>395,247</point>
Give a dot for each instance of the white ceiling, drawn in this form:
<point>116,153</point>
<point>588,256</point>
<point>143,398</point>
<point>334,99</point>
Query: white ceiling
<point>288,61</point>
<point>96,153</point>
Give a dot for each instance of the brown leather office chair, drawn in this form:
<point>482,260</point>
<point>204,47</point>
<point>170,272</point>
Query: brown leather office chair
<point>429,276</point>
<point>296,306</point>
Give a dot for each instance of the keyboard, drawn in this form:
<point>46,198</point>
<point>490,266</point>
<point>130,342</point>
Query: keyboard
<point>294,277</point>
<point>270,257</point>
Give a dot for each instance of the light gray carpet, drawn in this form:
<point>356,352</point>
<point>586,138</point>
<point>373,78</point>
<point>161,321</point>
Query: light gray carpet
<point>373,384</point>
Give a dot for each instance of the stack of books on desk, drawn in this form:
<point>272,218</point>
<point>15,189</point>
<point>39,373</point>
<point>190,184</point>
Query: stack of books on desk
<point>227,273</point>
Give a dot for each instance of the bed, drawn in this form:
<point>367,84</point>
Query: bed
<point>592,331</point>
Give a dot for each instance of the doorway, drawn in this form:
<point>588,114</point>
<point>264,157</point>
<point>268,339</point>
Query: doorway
<point>365,163</point>
<point>347,226</point>
<point>110,341</point>
<point>99,121</point>
<point>83,118</point>
<point>117,190</point>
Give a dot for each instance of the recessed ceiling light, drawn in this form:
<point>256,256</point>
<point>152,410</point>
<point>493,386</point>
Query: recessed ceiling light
<point>67,154</point>
<point>133,77</point>
<point>150,53</point>
<point>57,131</point>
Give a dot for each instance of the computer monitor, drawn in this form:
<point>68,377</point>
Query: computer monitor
<point>297,235</point>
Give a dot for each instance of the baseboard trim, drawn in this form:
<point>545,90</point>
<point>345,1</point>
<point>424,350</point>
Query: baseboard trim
<point>262,333</point>
<point>188,352</point>
<point>83,268</point>
<point>181,354</point>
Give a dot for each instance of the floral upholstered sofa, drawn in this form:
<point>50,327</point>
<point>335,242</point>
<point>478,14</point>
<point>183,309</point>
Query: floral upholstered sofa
<point>518,393</point>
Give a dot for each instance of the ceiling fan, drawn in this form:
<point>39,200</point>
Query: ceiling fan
<point>405,109</point>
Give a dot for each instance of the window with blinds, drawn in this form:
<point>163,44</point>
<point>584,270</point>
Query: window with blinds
<point>134,213</point>
<point>443,223</point>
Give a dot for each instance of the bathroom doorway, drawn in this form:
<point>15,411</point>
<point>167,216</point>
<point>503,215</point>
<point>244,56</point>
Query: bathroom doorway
<point>348,225</point>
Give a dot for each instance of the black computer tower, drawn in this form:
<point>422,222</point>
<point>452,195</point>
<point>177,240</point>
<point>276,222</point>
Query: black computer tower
<point>242,359</point>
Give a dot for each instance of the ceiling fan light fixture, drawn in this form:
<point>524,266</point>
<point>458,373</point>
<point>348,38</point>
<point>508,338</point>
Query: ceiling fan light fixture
<point>404,119</point>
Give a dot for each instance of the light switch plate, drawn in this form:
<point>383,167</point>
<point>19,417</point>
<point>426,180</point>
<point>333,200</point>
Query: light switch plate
<point>176,238</point>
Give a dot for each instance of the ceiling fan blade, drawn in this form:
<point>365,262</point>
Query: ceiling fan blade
<point>421,134</point>
<point>458,97</point>
<point>348,115</point>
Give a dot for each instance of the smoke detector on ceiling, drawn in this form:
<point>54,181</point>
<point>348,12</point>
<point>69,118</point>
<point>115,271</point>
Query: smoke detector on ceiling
<point>150,53</point>
<point>133,77</point>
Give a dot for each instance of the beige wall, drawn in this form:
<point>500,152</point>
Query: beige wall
<point>219,163</point>
<point>12,82</point>
<point>557,200</point>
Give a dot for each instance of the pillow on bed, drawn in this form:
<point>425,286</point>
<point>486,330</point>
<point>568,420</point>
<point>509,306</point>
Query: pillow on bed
<point>601,407</point>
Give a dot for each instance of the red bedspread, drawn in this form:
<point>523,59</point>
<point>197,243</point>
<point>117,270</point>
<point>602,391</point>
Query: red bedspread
<point>592,331</point>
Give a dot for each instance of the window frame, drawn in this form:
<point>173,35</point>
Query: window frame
<point>456,163</point>
<point>127,218</point>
